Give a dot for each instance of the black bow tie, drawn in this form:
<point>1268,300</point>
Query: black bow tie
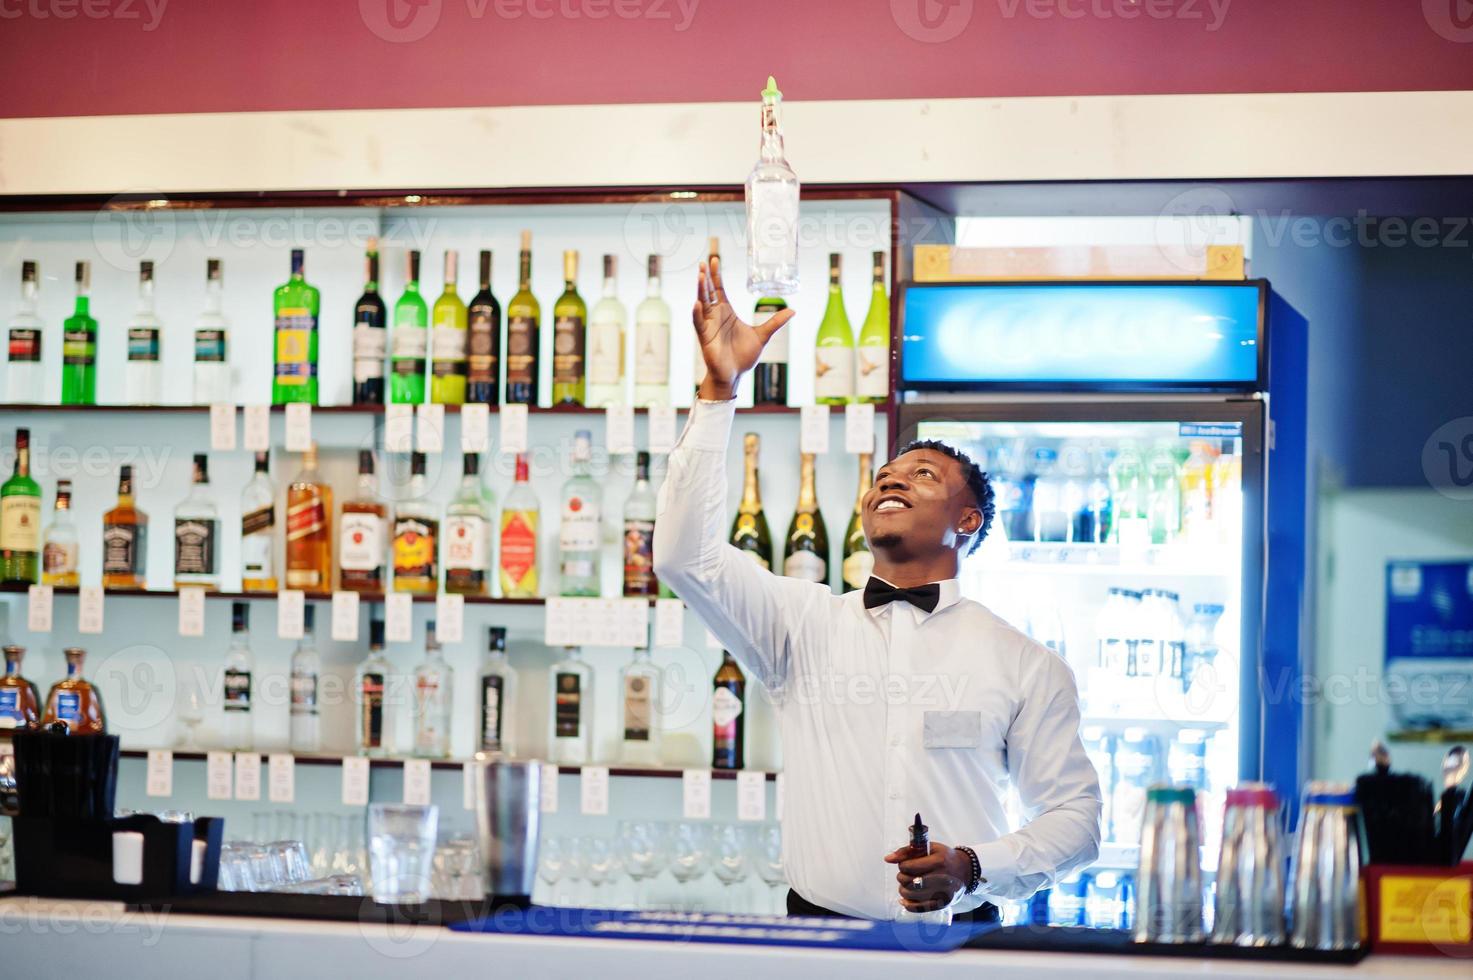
<point>877,592</point>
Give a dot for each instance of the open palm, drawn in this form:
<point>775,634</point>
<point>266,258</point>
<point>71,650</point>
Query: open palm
<point>729,347</point>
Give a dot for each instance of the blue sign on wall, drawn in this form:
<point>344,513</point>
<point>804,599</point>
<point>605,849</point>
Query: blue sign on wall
<point>1429,643</point>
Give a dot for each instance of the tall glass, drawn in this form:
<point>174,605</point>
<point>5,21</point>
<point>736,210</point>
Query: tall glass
<point>401,843</point>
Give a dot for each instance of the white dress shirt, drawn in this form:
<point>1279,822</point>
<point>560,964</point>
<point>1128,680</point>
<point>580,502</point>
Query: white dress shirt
<point>885,712</point>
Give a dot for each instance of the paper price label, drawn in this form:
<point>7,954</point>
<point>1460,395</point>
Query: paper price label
<point>513,428</point>
<point>558,629</point>
<point>160,772</point>
<point>192,611</point>
<point>219,775</point>
<point>751,796</point>
<point>416,782</point>
<point>89,609</point>
<point>222,427</point>
<point>39,604</point>
<point>281,777</point>
<point>450,617</point>
<point>298,427</point>
<point>669,623</point>
<point>813,432</point>
<point>247,775</point>
<point>398,428</point>
<point>661,429</point>
<point>429,430</point>
<point>547,792</point>
<point>345,616</point>
<point>291,607</point>
<point>695,786</point>
<point>475,428</point>
<point>355,781</point>
<point>257,434</point>
<point>619,429</point>
<point>398,617</point>
<point>593,791</point>
<point>859,428</point>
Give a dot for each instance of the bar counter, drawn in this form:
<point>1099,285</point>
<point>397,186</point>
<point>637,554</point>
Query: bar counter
<point>47,937</point>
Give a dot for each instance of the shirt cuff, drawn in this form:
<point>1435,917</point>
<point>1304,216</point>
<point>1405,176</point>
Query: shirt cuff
<point>999,867</point>
<point>709,425</point>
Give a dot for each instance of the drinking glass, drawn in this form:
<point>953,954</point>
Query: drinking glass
<point>644,856</point>
<point>288,825</point>
<point>602,866</point>
<point>266,871</point>
<point>574,868</point>
<point>769,860</point>
<point>401,851</point>
<point>690,856</point>
<point>290,856</point>
<point>730,850</point>
<point>460,861</point>
<point>236,870</point>
<point>191,713</point>
<point>261,827</point>
<point>4,847</point>
<point>550,864</point>
<point>322,842</point>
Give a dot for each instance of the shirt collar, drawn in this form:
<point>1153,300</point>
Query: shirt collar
<point>951,594</point>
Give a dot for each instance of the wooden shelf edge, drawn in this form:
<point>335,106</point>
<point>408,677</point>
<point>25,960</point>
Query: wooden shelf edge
<point>37,407</point>
<point>364,597</point>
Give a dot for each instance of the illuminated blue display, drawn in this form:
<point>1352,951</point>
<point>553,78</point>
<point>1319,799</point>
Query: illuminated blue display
<point>1082,334</point>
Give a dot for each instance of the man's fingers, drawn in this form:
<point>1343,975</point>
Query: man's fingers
<point>773,324</point>
<point>922,865</point>
<point>718,293</point>
<point>897,855</point>
<point>698,317</point>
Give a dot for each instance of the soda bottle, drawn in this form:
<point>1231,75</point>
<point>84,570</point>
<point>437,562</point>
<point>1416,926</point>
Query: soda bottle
<point>1163,495</point>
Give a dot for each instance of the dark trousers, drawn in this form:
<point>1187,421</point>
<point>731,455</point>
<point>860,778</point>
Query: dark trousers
<point>800,906</point>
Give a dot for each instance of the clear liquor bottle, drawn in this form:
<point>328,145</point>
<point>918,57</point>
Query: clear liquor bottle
<point>196,533</point>
<point>20,519</point>
<point>520,519</point>
<point>607,323</point>
<point>416,535</point>
<point>59,551</point>
<point>74,701</point>
<point>448,340</point>
<point>466,535</point>
<point>410,340</point>
<point>772,209</point>
<point>580,538</point>
<point>639,533</point>
<point>79,347</point>
<point>212,342</point>
<point>571,735</point>
<point>363,531</point>
<point>374,730</point>
<point>652,344</point>
<point>498,698</point>
<point>258,529</point>
<point>306,665</point>
<point>24,382</point>
<point>640,686</point>
<point>143,375</point>
<point>237,683</point>
<point>20,701</point>
<point>432,700</point>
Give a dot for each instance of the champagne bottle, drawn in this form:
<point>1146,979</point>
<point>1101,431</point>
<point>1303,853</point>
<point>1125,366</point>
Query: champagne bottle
<point>569,316</point>
<point>606,332</point>
<point>770,377</point>
<point>523,316</point>
<point>808,538</point>
<point>448,340</point>
<point>483,343</point>
<point>728,716</point>
<point>833,362</point>
<point>858,560</point>
<point>872,367</point>
<point>369,336</point>
<point>296,304</point>
<point>410,343</point>
<point>749,530</point>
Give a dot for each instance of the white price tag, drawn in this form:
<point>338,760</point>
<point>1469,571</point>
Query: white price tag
<point>814,429</point>
<point>777,796</point>
<point>219,775</point>
<point>619,429</point>
<point>669,623</point>
<point>662,429</point>
<point>89,609</point>
<point>345,616</point>
<point>859,428</point>
<point>398,428</point>
<point>547,793</point>
<point>281,777</point>
<point>450,617</point>
<point>247,775</point>
<point>416,782</point>
<point>257,435</point>
<point>475,428</point>
<point>713,642</point>
<point>290,607</point>
<point>429,430</point>
<point>160,772</point>
<point>558,622</point>
<point>355,781</point>
<point>298,427</point>
<point>192,611</point>
<point>470,774</point>
<point>398,617</point>
<point>751,795</point>
<point>513,428</point>
<point>222,427</point>
<point>593,791</point>
<point>695,786</point>
<point>634,623</point>
<point>39,602</point>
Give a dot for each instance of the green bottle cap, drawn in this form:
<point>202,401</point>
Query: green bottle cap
<point>1172,794</point>
<point>770,93</point>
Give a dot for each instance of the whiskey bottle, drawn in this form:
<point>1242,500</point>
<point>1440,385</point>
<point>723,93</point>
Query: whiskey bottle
<point>258,530</point>
<point>20,702</point>
<point>59,551</point>
<point>467,535</point>
<point>749,531</point>
<point>728,715</point>
<point>74,701</point>
<point>432,700</point>
<point>374,735</point>
<point>498,698</point>
<point>196,541</point>
<point>572,709</point>
<point>125,540</point>
<point>20,519</point>
<point>236,682</point>
<point>309,529</point>
<point>416,535</point>
<point>808,538</point>
<point>640,687</point>
<point>363,534</point>
<point>306,666</point>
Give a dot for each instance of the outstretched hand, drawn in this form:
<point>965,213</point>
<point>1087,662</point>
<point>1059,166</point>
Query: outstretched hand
<point>728,346</point>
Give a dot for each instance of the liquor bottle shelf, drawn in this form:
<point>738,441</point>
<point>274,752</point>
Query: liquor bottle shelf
<point>331,759</point>
<point>367,597</point>
<point>371,409</point>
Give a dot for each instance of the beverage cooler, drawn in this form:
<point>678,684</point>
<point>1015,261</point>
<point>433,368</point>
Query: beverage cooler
<point>1124,429</point>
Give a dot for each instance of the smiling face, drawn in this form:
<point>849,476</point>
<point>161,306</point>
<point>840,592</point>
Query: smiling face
<point>919,508</point>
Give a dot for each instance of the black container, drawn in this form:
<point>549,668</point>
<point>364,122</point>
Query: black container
<point>70,777</point>
<point>64,858</point>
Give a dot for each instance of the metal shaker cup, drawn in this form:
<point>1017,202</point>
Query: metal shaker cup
<point>508,813</point>
<point>1249,910</point>
<point>1324,893</point>
<point>1168,898</point>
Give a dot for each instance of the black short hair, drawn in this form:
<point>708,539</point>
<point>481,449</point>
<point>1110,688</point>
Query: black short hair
<point>976,479</point>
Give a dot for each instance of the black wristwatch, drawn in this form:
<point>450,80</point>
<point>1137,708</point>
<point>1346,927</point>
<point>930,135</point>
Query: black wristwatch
<point>976,878</point>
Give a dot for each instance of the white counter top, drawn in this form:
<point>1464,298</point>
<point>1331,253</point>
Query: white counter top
<point>45,937</point>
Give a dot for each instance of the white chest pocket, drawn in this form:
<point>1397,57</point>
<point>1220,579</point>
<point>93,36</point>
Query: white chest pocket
<point>951,729</point>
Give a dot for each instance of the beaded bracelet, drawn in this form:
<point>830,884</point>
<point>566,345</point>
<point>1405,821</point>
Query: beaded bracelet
<point>976,878</point>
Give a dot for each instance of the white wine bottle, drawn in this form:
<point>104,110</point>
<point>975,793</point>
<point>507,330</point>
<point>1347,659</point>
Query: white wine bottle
<point>872,368</point>
<point>652,344</point>
<point>833,361</point>
<point>606,327</point>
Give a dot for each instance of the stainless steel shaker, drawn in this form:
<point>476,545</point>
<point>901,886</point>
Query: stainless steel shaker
<point>508,815</point>
<point>1249,909</point>
<point>1324,902</point>
<point>1168,898</point>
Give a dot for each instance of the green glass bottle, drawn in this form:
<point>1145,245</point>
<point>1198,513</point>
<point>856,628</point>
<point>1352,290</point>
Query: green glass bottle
<point>523,320</point>
<point>833,361</point>
<point>20,519</point>
<point>410,341</point>
<point>749,531</point>
<point>79,347</point>
<point>859,561</point>
<point>872,366</point>
<point>448,340</point>
<point>569,338</point>
<point>807,551</point>
<point>296,305</point>
<point>770,376</point>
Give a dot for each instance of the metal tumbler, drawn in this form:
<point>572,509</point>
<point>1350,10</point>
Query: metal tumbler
<point>508,811</point>
<point>1249,910</point>
<point>1324,890</point>
<point>1168,898</point>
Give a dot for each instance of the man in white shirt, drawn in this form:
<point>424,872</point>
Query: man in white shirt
<point>904,697</point>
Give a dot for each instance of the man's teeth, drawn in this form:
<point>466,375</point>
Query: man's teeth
<point>890,505</point>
